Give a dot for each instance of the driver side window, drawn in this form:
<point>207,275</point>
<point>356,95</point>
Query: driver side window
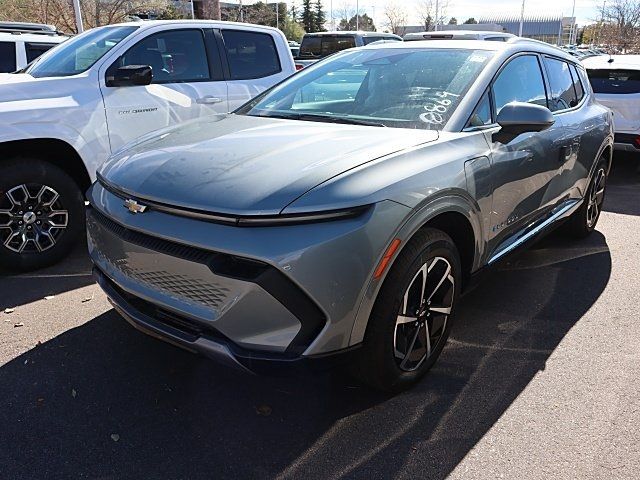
<point>520,81</point>
<point>175,56</point>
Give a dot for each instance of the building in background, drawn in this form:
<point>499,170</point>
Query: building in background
<point>554,30</point>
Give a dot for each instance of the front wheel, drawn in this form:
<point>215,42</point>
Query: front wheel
<point>41,214</point>
<point>411,318</point>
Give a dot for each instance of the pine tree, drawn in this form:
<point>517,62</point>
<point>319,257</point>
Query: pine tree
<point>307,17</point>
<point>320,17</point>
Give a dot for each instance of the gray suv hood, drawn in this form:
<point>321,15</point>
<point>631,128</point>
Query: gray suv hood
<point>242,165</point>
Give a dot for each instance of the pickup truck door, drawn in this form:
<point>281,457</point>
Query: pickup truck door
<point>187,83</point>
<point>523,168</point>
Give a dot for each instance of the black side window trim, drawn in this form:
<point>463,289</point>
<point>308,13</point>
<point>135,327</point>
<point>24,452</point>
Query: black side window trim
<point>223,52</point>
<point>166,82</point>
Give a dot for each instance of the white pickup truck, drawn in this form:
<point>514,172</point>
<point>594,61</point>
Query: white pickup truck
<point>64,114</point>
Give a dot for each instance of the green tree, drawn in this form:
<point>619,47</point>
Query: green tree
<point>307,17</point>
<point>319,17</point>
<point>453,21</point>
<point>470,21</point>
<point>292,29</point>
<point>365,23</point>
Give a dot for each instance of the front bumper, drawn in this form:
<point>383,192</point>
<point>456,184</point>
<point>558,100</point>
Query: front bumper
<point>174,329</point>
<point>277,293</point>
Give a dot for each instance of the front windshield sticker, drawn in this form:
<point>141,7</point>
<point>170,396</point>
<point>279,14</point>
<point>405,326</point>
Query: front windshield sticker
<point>436,107</point>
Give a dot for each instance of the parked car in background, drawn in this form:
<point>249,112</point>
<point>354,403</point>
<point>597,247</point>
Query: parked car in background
<point>458,35</point>
<point>22,43</point>
<point>71,108</point>
<point>316,46</point>
<point>300,229</point>
<point>616,83</point>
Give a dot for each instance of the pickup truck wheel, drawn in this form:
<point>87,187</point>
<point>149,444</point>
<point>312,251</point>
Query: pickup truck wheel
<point>584,220</point>
<point>41,214</point>
<point>411,318</point>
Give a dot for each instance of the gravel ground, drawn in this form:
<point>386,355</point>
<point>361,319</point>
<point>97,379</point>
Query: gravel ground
<point>540,380</point>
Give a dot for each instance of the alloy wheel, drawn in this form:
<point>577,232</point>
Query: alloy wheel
<point>423,316</point>
<point>32,218</point>
<point>596,197</point>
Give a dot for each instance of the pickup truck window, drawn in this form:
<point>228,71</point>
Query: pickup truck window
<point>7,57</point>
<point>174,56</point>
<point>34,50</point>
<point>80,53</point>
<point>250,54</point>
<point>324,45</point>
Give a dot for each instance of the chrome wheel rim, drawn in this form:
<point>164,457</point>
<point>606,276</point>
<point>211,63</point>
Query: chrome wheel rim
<point>596,197</point>
<point>422,320</point>
<point>32,218</point>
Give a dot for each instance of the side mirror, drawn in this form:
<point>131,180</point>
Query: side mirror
<point>516,118</point>
<point>129,75</point>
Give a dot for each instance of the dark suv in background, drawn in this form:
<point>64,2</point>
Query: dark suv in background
<point>315,46</point>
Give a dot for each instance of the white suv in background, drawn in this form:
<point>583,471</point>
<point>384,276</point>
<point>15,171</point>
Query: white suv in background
<point>21,43</point>
<point>75,105</point>
<point>615,80</point>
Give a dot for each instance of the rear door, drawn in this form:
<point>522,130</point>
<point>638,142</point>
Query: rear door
<point>580,139</point>
<point>187,83</point>
<point>252,63</point>
<point>523,168</point>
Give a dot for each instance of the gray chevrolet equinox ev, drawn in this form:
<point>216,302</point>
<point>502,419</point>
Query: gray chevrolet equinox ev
<point>340,214</point>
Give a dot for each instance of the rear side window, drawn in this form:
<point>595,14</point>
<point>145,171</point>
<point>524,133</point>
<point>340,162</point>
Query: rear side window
<point>563,95</point>
<point>250,54</point>
<point>34,50</point>
<point>7,57</point>
<point>520,81</point>
<point>577,84</point>
<point>322,46</point>
<point>615,81</point>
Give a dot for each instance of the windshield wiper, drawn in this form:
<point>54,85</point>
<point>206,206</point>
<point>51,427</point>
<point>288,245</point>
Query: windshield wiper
<point>314,117</point>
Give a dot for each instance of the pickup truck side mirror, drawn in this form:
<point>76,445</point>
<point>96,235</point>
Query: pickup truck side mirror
<point>129,75</point>
<point>516,118</point>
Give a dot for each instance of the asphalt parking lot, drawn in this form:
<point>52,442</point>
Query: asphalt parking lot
<point>540,380</point>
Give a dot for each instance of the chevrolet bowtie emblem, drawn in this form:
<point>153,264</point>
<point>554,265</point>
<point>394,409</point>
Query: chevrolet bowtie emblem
<point>134,207</point>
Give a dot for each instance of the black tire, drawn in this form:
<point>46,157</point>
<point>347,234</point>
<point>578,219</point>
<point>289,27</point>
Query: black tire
<point>378,363</point>
<point>584,220</point>
<point>55,241</point>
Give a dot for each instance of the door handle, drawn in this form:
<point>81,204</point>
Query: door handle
<point>208,100</point>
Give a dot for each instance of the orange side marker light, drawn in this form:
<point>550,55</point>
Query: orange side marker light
<point>387,258</point>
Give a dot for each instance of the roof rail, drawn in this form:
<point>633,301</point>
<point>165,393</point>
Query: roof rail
<point>36,28</point>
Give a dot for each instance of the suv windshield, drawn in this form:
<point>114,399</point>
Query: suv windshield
<point>402,88</point>
<point>324,45</point>
<point>80,53</point>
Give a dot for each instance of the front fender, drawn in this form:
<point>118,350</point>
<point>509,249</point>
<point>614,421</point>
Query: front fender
<point>454,201</point>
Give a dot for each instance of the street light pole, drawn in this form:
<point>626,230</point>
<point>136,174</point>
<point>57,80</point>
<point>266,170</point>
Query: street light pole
<point>435,28</point>
<point>573,37</point>
<point>357,15</point>
<point>521,19</point>
<point>78,13</point>
<point>193,11</point>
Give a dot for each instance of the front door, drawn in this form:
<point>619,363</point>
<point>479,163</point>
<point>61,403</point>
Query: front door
<point>522,169</point>
<point>187,84</point>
